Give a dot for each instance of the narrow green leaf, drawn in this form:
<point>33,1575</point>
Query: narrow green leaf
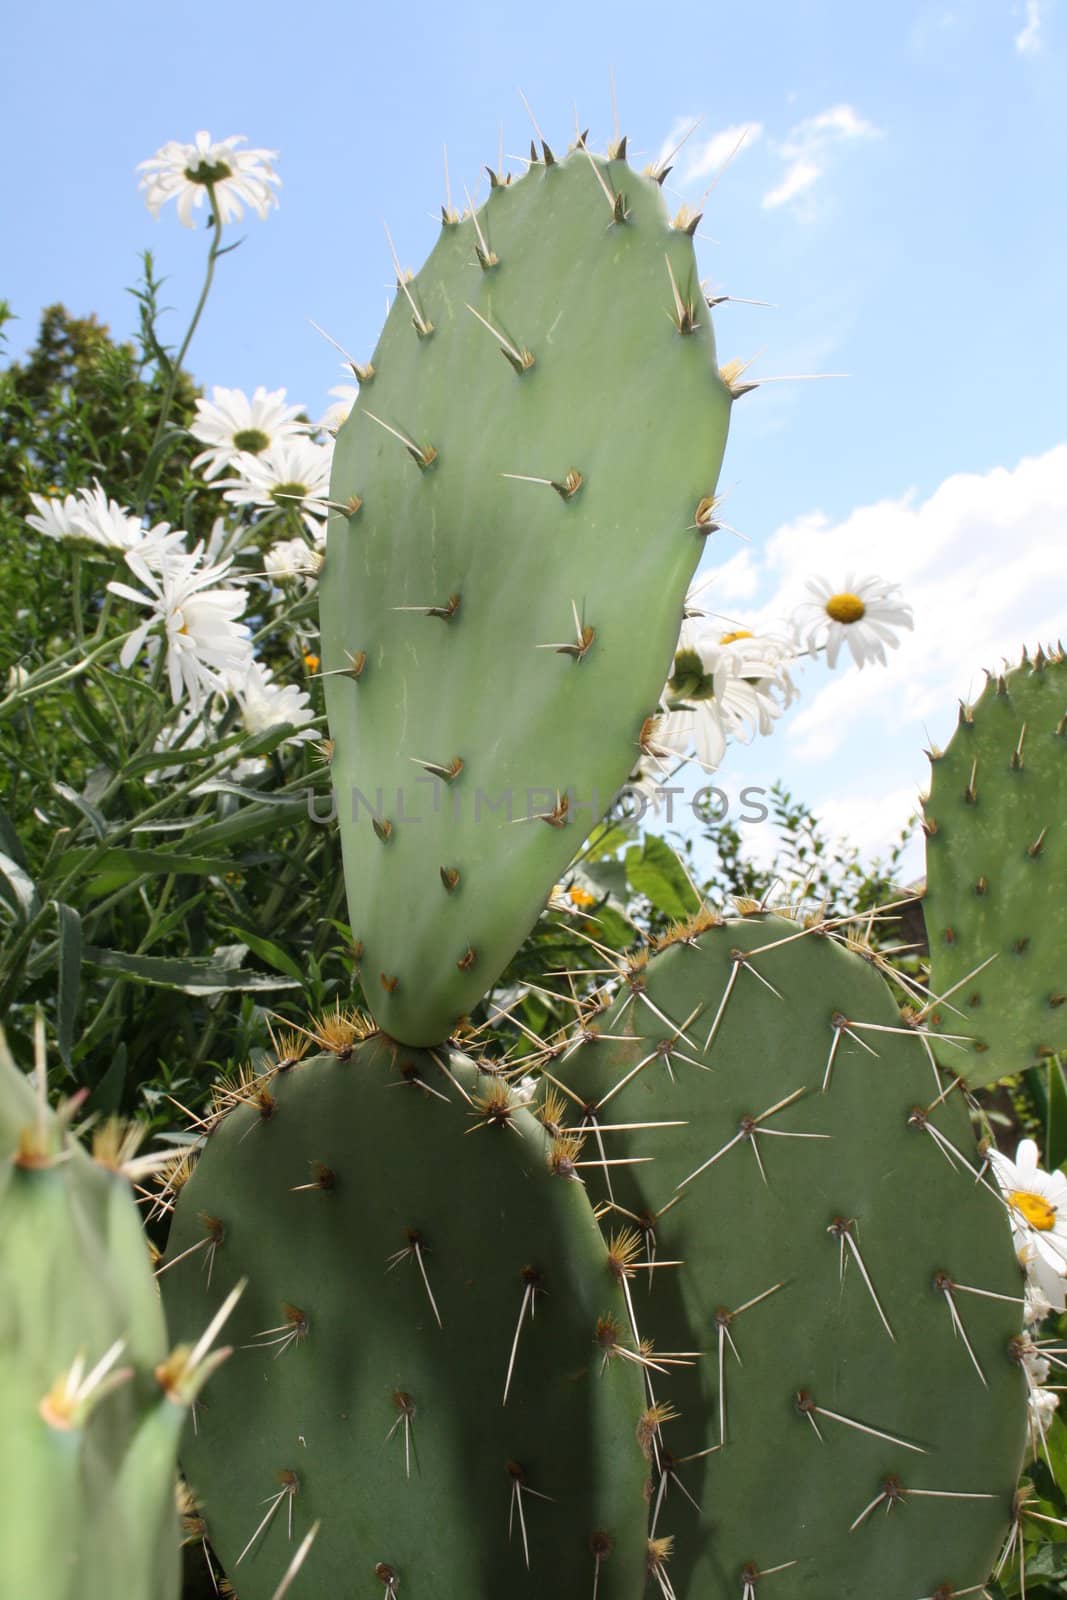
<point>195,975</point>
<point>107,1096</point>
<point>10,843</point>
<point>1056,1126</point>
<point>250,822</point>
<point>17,889</point>
<point>271,953</point>
<point>119,866</point>
<point>93,817</point>
<point>69,984</point>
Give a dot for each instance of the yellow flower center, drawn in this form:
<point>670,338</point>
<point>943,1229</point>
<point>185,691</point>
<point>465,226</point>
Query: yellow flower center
<point>311,661</point>
<point>1035,1208</point>
<point>845,608</point>
<point>732,638</point>
<point>580,897</point>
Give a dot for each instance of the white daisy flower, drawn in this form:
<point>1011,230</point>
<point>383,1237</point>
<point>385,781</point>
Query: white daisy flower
<point>89,521</point>
<point>1037,1205</point>
<point>204,639</point>
<point>864,614</point>
<point>1042,1405</point>
<point>347,394</point>
<point>1037,1304</point>
<point>186,173</point>
<point>231,424</point>
<point>722,687</point>
<point>293,474</point>
<point>291,558</point>
<point>265,704</point>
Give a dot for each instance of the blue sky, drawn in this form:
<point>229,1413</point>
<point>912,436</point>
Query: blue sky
<point>899,198</point>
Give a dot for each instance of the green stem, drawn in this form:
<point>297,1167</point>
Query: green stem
<point>38,684</point>
<point>148,482</point>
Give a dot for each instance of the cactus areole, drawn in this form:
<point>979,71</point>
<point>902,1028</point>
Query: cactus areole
<point>521,482</point>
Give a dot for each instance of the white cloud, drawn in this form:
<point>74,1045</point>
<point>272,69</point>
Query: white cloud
<point>800,175</point>
<point>696,158</point>
<point>806,148</point>
<point>1028,40</point>
<point>983,562</point>
<point>708,155</point>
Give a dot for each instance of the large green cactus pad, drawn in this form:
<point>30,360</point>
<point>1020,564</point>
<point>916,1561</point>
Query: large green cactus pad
<point>996,862</point>
<point>826,1228</point>
<point>396,1238</point>
<point>499,642</point>
<point>87,1510</point>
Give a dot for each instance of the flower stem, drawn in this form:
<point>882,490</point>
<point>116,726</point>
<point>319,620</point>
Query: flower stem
<point>154,462</point>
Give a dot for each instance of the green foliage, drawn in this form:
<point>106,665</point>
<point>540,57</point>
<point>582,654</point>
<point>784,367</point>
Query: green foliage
<point>510,637</point>
<point>142,853</point>
<point>399,1221</point>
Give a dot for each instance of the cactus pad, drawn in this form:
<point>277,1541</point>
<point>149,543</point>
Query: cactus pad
<point>407,1245</point>
<point>854,1423</point>
<point>87,1510</point>
<point>996,855</point>
<point>529,473</point>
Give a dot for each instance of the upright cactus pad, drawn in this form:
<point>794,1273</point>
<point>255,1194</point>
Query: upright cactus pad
<point>996,861</point>
<point>529,474</point>
<point>854,1422</point>
<point>432,1333</point>
<point>92,1404</point>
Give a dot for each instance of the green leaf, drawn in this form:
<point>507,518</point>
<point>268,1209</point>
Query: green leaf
<point>268,740</point>
<point>249,822</point>
<point>271,953</point>
<point>1049,1562</point>
<point>194,975</point>
<point>94,817</point>
<point>107,1096</point>
<point>17,889</point>
<point>609,842</point>
<point>69,986</point>
<point>655,871</point>
<point>10,843</point>
<point>116,867</point>
<point>1056,1128</point>
<point>609,877</point>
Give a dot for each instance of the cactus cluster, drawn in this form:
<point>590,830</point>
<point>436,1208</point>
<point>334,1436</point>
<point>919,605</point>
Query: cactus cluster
<point>721,1302</point>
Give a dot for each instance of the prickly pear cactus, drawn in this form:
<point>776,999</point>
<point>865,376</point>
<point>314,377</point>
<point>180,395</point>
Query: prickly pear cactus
<point>996,862</point>
<point>435,1365</point>
<point>92,1403</point>
<point>528,473</point>
<point>852,1421</point>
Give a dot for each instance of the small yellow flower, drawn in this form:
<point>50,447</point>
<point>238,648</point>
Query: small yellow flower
<point>580,897</point>
<point>311,661</point>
